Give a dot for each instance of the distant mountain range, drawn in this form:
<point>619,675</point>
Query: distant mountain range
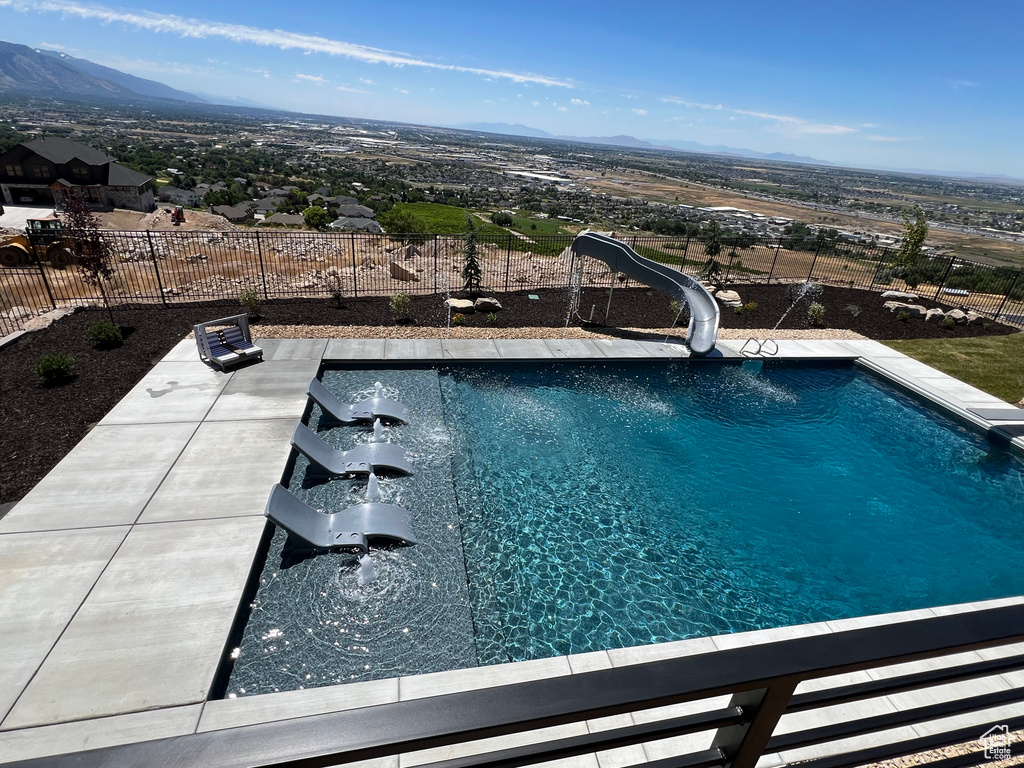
<point>53,74</point>
<point>631,142</point>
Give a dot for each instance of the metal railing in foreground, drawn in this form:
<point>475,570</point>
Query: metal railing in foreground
<point>760,681</point>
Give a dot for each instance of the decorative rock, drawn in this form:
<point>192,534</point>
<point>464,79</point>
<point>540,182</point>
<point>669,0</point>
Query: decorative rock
<point>729,299</point>
<point>487,304</point>
<point>934,316</point>
<point>974,317</point>
<point>905,295</point>
<point>332,272</point>
<point>465,306</point>
<point>398,272</point>
<point>914,310</point>
<point>20,313</point>
<point>958,315</point>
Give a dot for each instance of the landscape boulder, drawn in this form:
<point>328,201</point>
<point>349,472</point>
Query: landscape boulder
<point>934,316</point>
<point>465,306</point>
<point>958,315</point>
<point>19,313</point>
<point>487,304</point>
<point>901,295</point>
<point>974,317</point>
<point>398,272</point>
<point>729,299</point>
<point>914,310</point>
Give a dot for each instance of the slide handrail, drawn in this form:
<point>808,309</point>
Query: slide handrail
<point>702,332</point>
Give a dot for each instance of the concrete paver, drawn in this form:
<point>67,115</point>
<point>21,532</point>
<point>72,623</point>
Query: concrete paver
<point>226,470</point>
<point>152,631</point>
<point>173,391</point>
<point>107,479</point>
<point>43,581</point>
<point>273,389</point>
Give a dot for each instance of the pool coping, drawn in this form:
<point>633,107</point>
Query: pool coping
<point>86,669</point>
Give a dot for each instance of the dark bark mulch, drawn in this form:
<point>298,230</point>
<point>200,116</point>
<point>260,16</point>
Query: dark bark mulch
<point>39,425</point>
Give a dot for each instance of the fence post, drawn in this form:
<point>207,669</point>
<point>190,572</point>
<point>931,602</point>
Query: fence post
<point>775,258</point>
<point>156,271</point>
<point>744,744</point>
<point>1007,296</point>
<point>732,255</point>
<point>814,260</point>
<point>881,257</point>
<point>263,271</point>
<point>945,276</point>
<point>42,274</point>
<point>435,264</point>
<point>355,267</point>
<point>508,261</point>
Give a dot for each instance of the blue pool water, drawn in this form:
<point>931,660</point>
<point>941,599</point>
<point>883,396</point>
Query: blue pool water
<point>565,509</point>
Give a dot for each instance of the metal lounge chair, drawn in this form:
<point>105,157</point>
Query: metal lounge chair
<point>363,459</point>
<point>376,407</point>
<point>350,528</point>
<point>223,346</point>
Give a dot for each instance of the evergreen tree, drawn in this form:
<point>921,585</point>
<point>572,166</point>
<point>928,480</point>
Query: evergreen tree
<point>471,272</point>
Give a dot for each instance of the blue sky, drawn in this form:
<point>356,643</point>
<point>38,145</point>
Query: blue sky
<point>893,84</point>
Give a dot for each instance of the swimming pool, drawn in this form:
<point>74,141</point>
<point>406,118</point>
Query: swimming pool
<point>567,508</point>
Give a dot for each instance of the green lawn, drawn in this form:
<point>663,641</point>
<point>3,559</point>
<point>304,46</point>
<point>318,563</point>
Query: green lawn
<point>994,364</point>
<point>447,219</point>
<point>528,225</point>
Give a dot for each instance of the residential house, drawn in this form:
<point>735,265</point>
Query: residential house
<point>355,212</point>
<point>171,194</point>
<point>241,212</point>
<point>356,224</point>
<point>46,171</point>
<point>284,220</point>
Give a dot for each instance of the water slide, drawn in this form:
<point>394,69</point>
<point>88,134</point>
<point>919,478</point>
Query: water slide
<point>704,315</point>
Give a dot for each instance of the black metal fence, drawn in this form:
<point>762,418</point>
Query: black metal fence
<point>170,267</point>
<point>770,709</point>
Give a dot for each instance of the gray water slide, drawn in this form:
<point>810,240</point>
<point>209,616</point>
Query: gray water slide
<point>704,314</point>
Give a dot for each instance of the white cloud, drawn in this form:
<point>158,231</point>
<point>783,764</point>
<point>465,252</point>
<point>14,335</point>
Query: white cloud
<point>786,123</point>
<point>366,81</point>
<point>637,111</point>
<point>875,137</point>
<point>315,79</point>
<point>402,91</point>
<point>347,89</point>
<point>563,109</point>
<point>579,102</point>
<point>961,83</point>
<point>263,72</point>
<point>275,38</point>
<point>535,103</point>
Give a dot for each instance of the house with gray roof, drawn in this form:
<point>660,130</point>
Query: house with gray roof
<point>346,223</point>
<point>240,212</point>
<point>47,171</point>
<point>172,194</point>
<point>283,220</point>
<point>355,212</point>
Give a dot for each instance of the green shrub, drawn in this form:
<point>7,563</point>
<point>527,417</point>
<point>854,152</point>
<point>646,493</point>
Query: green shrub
<point>903,317</point>
<point>502,218</point>
<point>249,299</point>
<point>458,318</point>
<point>816,315</point>
<point>55,368</point>
<point>853,310</point>
<point>750,306</point>
<point>492,319</point>
<point>104,334</point>
<point>334,286</point>
<point>400,305</point>
<point>948,322</point>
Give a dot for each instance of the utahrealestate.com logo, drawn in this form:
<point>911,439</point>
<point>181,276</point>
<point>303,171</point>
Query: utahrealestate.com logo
<point>996,741</point>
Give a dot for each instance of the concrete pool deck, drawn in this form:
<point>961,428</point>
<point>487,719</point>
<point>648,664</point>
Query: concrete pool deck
<point>121,572</point>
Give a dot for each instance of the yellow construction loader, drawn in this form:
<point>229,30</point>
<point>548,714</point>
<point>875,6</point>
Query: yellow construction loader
<point>43,241</point>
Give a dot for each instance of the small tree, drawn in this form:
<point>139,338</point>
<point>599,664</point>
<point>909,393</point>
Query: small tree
<point>316,217</point>
<point>471,272</point>
<point>399,221</point>
<point>711,236</point>
<point>92,251</point>
<point>914,234</point>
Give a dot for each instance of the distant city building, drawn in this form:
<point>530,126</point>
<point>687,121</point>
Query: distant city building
<point>46,171</point>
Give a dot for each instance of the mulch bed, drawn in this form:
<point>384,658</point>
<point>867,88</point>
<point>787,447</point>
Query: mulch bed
<point>39,425</point>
